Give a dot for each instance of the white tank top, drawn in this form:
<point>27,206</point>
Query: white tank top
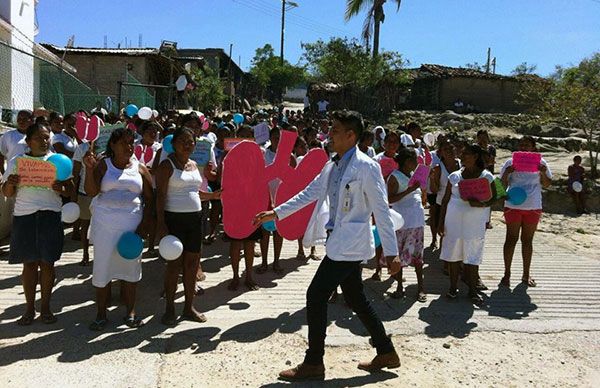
<point>443,181</point>
<point>121,189</point>
<point>410,206</point>
<point>183,191</point>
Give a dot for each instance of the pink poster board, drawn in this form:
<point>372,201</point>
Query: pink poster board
<point>478,189</point>
<point>245,184</point>
<point>387,166</point>
<point>35,172</point>
<point>526,161</point>
<point>420,175</point>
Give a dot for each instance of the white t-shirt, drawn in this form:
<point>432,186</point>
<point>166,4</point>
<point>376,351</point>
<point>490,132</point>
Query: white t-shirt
<point>306,102</point>
<point>410,206</point>
<point>29,200</point>
<point>12,143</point>
<point>69,144</point>
<point>322,105</point>
<point>528,181</point>
<point>80,152</point>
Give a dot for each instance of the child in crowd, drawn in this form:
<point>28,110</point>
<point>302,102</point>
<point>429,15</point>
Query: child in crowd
<point>575,184</point>
<point>406,200</point>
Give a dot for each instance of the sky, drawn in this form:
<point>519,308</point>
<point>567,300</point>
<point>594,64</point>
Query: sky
<point>545,33</point>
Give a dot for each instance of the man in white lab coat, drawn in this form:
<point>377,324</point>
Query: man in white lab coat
<point>353,185</point>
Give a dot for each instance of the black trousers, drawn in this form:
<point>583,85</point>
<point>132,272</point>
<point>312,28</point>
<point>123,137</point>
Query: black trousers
<point>347,274</point>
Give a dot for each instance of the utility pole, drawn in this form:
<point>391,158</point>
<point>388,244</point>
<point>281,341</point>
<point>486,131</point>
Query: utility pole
<point>487,64</point>
<point>286,5</point>
<point>494,65</point>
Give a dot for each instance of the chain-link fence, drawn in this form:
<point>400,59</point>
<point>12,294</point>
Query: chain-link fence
<point>132,92</point>
<point>54,88</point>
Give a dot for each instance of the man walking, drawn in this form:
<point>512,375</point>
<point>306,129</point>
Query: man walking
<point>354,188</point>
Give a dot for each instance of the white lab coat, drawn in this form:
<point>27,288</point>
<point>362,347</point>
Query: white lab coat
<point>351,238</point>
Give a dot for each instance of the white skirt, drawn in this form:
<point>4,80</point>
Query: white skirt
<point>464,237</point>
<point>106,229</point>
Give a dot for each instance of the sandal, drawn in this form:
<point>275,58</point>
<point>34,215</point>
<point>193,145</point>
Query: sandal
<point>301,256</point>
<point>505,282</point>
<point>48,318</point>
<point>476,300</point>
<point>26,320</point>
<point>314,257</point>
<point>480,286</point>
<point>169,320</point>
<point>234,284</point>
<point>98,324</point>
<point>452,294</point>
<point>529,282</point>
<point>133,322</point>
<point>277,269</point>
<point>84,262</point>
<point>376,277</point>
<point>421,297</point>
<point>251,286</point>
<point>199,290</point>
<point>262,269</point>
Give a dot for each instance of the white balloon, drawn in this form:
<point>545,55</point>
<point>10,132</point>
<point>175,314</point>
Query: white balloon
<point>70,212</point>
<point>397,219</point>
<point>170,247</point>
<point>145,113</point>
<point>577,187</point>
<point>154,113</point>
<point>429,139</point>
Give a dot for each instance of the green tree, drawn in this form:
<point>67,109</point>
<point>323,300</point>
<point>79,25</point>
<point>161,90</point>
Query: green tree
<point>523,69</point>
<point>271,75</point>
<point>372,23</point>
<point>344,61</point>
<point>209,93</point>
<point>572,95</point>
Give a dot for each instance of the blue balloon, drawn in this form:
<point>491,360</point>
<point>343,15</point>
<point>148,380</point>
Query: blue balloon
<point>131,110</point>
<point>208,189</point>
<point>130,246</point>
<point>168,144</point>
<point>516,195</point>
<point>64,166</point>
<point>238,118</point>
<point>376,236</point>
<point>269,226</point>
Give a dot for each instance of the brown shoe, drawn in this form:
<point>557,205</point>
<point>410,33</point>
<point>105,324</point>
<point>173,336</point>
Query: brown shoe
<point>304,372</point>
<point>388,360</point>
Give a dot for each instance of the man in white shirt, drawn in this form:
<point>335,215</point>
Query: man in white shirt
<point>322,105</point>
<point>353,185</point>
<point>12,143</point>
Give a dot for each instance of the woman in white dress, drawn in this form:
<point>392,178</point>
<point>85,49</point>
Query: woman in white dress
<point>463,223</point>
<point>121,187</point>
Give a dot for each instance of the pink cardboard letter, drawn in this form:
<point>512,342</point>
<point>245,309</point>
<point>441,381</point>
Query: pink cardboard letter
<point>526,161</point>
<point>387,166</point>
<point>420,175</point>
<point>478,189</point>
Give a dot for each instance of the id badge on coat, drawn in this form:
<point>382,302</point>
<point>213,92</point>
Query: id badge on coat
<point>346,201</point>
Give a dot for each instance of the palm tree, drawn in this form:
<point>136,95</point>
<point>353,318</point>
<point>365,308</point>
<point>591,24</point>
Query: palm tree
<point>372,23</point>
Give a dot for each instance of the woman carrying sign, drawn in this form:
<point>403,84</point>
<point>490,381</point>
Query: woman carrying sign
<point>462,223</point>
<point>523,218</point>
<point>36,238</point>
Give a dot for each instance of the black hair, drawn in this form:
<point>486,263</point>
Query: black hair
<point>53,116</point>
<point>147,125</point>
<point>33,129</point>
<point>483,132</point>
<point>412,126</point>
<point>577,157</point>
<point>116,135</point>
<point>403,155</point>
<point>476,150</point>
<point>245,127</point>
<point>392,134</point>
<point>193,116</point>
<point>351,120</point>
<point>70,116</point>
<point>182,131</point>
<point>26,112</point>
<point>530,139</point>
<point>41,120</point>
<point>300,141</point>
<point>366,135</point>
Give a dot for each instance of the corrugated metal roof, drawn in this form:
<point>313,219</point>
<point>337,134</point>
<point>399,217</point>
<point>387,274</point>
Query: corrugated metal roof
<point>440,71</point>
<point>96,50</point>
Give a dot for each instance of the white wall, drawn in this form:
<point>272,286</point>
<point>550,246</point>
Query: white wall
<point>19,14</point>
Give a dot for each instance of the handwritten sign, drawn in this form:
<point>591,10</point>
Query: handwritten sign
<point>420,176</point>
<point>477,189</point>
<point>35,172</point>
<point>526,161</point>
<point>387,166</point>
<point>231,142</point>
<point>500,191</point>
<point>261,133</point>
<point>201,154</point>
<point>103,137</point>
